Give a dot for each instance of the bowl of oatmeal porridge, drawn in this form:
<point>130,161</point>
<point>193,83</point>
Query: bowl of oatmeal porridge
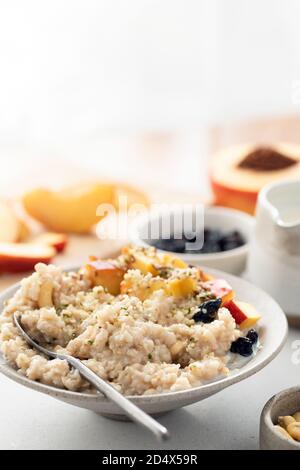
<point>163,333</point>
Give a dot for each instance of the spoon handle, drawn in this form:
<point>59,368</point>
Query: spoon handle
<point>129,408</point>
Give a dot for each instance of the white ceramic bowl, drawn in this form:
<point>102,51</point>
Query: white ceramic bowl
<point>273,331</point>
<point>284,403</point>
<point>221,218</point>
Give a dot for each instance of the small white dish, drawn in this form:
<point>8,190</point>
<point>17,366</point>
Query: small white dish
<point>285,403</point>
<point>220,218</point>
<point>272,329</point>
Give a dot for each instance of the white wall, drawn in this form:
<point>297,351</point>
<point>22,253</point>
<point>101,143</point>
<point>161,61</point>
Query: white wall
<point>71,66</point>
<point>72,69</point>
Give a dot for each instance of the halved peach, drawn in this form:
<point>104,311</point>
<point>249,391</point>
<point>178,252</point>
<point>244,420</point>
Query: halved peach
<point>19,257</point>
<point>106,274</point>
<point>245,314</point>
<point>236,184</point>
<point>59,241</point>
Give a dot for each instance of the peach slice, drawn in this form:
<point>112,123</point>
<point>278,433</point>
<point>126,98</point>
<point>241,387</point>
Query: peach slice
<point>71,210</point>
<point>149,263</point>
<point>245,314</point>
<point>221,289</point>
<point>129,287</point>
<point>182,287</point>
<point>237,185</point>
<point>9,224</point>
<point>59,241</point>
<point>24,231</point>
<point>204,276</point>
<point>106,274</point>
<point>144,264</point>
<point>172,261</point>
<point>20,257</point>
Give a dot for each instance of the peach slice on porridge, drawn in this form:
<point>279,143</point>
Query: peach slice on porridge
<point>106,274</point>
<point>221,289</point>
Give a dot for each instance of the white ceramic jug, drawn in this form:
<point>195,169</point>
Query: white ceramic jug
<point>274,259</point>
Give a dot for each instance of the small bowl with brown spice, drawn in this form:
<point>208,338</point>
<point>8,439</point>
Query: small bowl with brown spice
<point>280,421</point>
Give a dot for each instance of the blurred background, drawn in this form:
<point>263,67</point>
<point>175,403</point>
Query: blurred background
<point>130,89</point>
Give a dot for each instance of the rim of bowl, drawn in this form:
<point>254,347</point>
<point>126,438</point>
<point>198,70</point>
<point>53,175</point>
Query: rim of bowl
<point>141,220</point>
<point>267,409</point>
<point>13,374</point>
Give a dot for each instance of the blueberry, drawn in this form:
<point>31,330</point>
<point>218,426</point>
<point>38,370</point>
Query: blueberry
<point>208,311</point>
<point>231,241</point>
<point>253,336</point>
<point>177,245</point>
<point>229,246</point>
<point>242,346</point>
<point>214,242</point>
<point>210,246</point>
<point>160,244</point>
<point>171,244</point>
<point>212,235</point>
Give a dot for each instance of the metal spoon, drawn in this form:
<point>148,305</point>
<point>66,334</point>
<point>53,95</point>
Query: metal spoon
<point>129,408</point>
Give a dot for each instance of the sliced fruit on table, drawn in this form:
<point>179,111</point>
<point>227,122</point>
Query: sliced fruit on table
<point>125,196</point>
<point>245,314</point>
<point>23,231</point>
<point>21,257</point>
<point>238,173</point>
<point>221,289</point>
<point>9,224</point>
<point>58,241</point>
<point>106,274</point>
<point>69,210</point>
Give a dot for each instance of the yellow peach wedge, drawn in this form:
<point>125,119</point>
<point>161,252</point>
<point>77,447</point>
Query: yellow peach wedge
<point>106,274</point>
<point>70,210</point>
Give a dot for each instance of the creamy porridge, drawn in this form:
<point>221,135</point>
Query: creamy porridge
<point>145,322</point>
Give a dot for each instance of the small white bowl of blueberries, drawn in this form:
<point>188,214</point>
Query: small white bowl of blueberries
<point>225,237</point>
